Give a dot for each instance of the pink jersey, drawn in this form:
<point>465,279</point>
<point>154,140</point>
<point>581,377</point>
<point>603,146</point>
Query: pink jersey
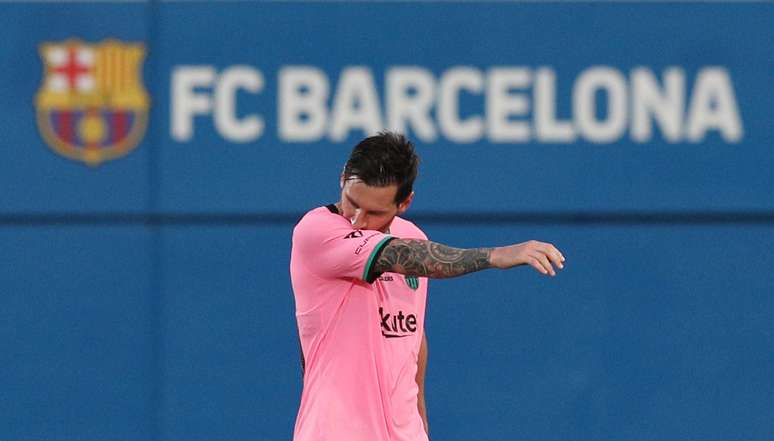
<point>360,333</point>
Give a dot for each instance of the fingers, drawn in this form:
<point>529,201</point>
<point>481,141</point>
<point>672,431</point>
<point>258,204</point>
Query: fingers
<point>544,257</point>
<point>554,255</point>
<point>540,262</point>
<point>535,263</point>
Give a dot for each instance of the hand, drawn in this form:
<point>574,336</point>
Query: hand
<point>539,255</point>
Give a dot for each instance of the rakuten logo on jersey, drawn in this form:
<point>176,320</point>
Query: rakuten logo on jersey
<point>397,325</point>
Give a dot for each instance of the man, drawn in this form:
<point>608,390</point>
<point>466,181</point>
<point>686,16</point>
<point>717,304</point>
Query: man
<point>359,275</point>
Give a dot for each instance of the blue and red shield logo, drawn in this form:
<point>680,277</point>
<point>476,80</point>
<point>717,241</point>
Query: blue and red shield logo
<point>92,106</point>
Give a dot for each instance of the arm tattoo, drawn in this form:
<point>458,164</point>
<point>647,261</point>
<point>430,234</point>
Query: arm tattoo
<point>430,259</point>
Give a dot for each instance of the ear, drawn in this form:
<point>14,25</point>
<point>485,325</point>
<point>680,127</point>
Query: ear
<point>403,206</point>
<point>341,180</point>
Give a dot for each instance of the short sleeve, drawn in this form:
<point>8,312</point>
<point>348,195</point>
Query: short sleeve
<point>329,247</point>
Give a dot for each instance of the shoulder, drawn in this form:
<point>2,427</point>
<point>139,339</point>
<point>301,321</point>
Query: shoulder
<point>316,217</point>
<point>320,224</point>
<point>404,228</point>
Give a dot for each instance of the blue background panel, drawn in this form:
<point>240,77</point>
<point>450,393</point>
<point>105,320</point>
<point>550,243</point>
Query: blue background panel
<point>149,298</point>
<point>651,332</point>
<point>33,177</point>
<point>209,173</point>
<point>231,356</point>
<point>76,332</point>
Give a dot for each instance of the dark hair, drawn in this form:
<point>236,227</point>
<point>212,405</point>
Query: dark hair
<point>385,159</point>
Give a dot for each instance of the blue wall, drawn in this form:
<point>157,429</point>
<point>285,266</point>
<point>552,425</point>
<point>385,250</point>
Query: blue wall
<point>148,297</point>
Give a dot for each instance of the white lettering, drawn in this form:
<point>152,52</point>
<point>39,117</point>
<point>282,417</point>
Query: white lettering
<point>452,82</point>
<point>547,127</point>
<point>505,104</point>
<point>228,125</point>
<point>356,105</point>
<point>303,92</point>
<point>713,105</point>
<point>186,102</point>
<point>666,107</point>
<point>410,97</point>
<point>501,104</point>
<point>591,81</point>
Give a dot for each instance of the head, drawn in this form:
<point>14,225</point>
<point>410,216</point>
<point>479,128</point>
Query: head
<point>377,181</point>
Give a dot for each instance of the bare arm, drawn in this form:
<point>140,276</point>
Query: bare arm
<point>430,259</point>
<point>424,258</point>
<point>421,367</point>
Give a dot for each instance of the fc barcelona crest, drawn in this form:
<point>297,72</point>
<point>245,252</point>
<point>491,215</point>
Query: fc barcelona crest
<point>92,106</point>
<point>412,282</point>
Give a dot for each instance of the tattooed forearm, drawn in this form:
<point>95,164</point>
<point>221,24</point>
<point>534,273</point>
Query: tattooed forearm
<point>430,259</point>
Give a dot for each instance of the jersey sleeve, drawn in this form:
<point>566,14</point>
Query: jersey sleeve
<point>330,248</point>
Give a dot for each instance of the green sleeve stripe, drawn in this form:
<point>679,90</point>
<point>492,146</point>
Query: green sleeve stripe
<point>373,254</point>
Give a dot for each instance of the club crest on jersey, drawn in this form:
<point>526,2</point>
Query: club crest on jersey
<point>92,106</point>
<point>412,282</point>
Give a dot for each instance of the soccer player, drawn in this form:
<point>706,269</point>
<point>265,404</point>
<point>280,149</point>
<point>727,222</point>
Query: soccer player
<point>359,275</point>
